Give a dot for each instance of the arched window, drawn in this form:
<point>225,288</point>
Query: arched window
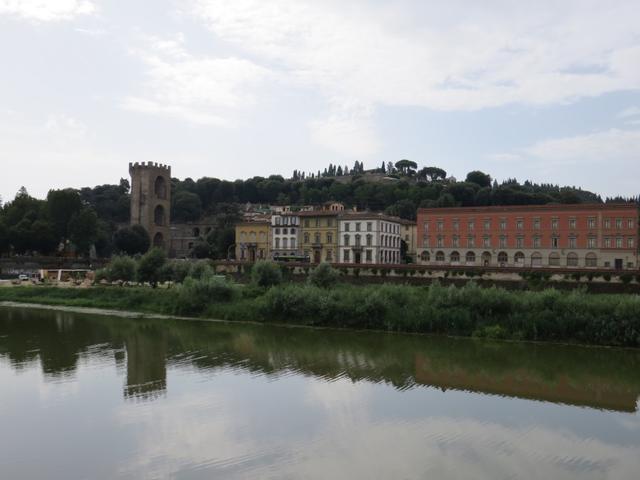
<point>503,258</point>
<point>572,259</point>
<point>536,259</point>
<point>424,256</point>
<point>470,257</point>
<point>158,240</point>
<point>357,240</point>
<point>554,259</point>
<point>454,257</point>
<point>160,188</point>
<point>519,259</point>
<point>369,240</point>
<point>285,243</point>
<point>346,240</point>
<point>439,256</point>
<point>253,237</point>
<point>158,215</point>
<point>591,260</point>
<point>486,259</point>
<point>277,242</point>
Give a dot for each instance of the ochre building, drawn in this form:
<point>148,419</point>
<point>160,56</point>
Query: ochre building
<point>319,237</point>
<point>252,240</point>
<point>574,236</point>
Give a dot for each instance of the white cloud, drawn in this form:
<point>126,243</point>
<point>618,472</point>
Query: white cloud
<point>460,56</point>
<point>629,112</point>
<point>47,10</point>
<point>199,89</point>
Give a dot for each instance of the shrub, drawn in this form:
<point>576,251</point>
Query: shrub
<point>194,296</point>
<point>266,274</point>
<point>122,268</point>
<point>626,278</point>
<point>201,269</point>
<point>181,270</point>
<point>324,276</point>
<point>606,277</point>
<point>101,274</point>
<point>150,266</point>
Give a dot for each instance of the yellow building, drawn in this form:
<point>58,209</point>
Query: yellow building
<point>409,233</point>
<point>252,241</point>
<point>319,238</point>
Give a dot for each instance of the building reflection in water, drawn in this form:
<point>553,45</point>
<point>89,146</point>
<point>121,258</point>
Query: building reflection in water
<point>146,364</point>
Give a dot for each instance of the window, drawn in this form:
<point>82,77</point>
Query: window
<point>520,242</point>
<point>630,242</point>
<point>503,224</point>
<point>368,256</point>
<point>329,237</point>
<point>536,242</point>
<point>277,220</point>
<point>293,243</point>
<point>607,242</point>
<point>347,226</point>
<point>572,260</point>
<point>554,223</point>
<point>592,242</point>
<point>572,223</point>
<point>317,222</point>
<point>487,224</point>
<point>345,255</point>
<point>519,258</point>
<point>426,227</point>
<point>306,222</point>
<point>503,241</point>
<point>607,223</point>
<point>440,241</point>
<point>317,238</point>
<point>357,226</point>
<point>486,241</point>
<point>536,259</point>
<point>329,256</point>
<point>554,242</point>
<point>618,223</point>
<point>277,243</point>
<point>440,225</point>
<point>329,222</point>
<point>284,231</point>
<point>554,259</point>
<point>503,258</point>
<point>425,257</point>
<point>536,223</point>
<point>471,241</point>
<point>591,223</point>
<point>439,256</point>
<point>292,231</point>
<point>243,237</point>
<point>369,240</point>
<point>357,240</point>
<point>277,231</point>
<point>630,223</point>
<point>455,241</point>
<point>306,238</point>
<point>425,242</point>
<point>519,224</point>
<point>285,243</point>
<point>618,242</point>
<point>471,225</point>
<point>369,226</point>
<point>456,225</point>
<point>455,257</point>
<point>346,240</point>
<point>470,257</point>
<point>572,242</point>
<point>591,260</point>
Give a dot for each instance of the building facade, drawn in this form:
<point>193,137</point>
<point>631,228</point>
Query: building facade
<point>184,236</point>
<point>368,238</point>
<point>151,200</point>
<point>573,236</point>
<point>253,240</point>
<point>285,231</point>
<point>409,236</point>
<point>319,235</point>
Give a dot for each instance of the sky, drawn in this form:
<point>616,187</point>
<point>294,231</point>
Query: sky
<point>547,90</point>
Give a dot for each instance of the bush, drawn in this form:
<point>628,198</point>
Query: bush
<point>324,276</point>
<point>194,296</point>
<point>122,268</point>
<point>626,278</point>
<point>201,269</point>
<point>181,270</point>
<point>266,274</point>
<point>150,266</point>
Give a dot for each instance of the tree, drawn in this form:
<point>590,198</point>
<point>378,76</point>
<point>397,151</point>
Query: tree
<point>266,274</point>
<point>479,178</point>
<point>150,266</point>
<point>4,237</point>
<point>324,276</point>
<point>62,205</point>
<point>122,268</point>
<point>433,174</point>
<point>406,167</point>
<point>186,206</point>
<point>83,229</point>
<point>383,168</point>
<point>131,240</point>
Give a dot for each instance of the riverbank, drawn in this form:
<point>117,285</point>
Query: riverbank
<point>548,315</point>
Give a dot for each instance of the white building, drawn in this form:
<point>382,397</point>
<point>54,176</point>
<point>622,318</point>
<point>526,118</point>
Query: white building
<point>369,238</point>
<point>285,234</point>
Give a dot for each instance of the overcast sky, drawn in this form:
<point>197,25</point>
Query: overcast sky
<point>544,90</point>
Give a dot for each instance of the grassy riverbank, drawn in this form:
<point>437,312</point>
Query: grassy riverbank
<point>548,315</point>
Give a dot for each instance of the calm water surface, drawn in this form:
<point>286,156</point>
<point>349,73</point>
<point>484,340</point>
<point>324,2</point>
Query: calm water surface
<point>98,397</point>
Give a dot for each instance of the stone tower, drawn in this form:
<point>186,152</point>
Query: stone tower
<point>151,200</point>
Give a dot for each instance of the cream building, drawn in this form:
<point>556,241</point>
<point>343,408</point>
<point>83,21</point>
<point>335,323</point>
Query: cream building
<point>369,238</point>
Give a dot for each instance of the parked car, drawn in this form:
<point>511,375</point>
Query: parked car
<point>22,277</point>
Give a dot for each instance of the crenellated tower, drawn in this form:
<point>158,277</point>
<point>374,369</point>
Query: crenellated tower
<point>151,200</point>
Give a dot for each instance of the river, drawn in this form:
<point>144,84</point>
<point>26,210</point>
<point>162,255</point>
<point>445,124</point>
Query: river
<point>87,396</point>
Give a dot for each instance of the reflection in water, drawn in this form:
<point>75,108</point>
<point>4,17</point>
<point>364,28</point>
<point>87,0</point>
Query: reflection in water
<point>250,401</point>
